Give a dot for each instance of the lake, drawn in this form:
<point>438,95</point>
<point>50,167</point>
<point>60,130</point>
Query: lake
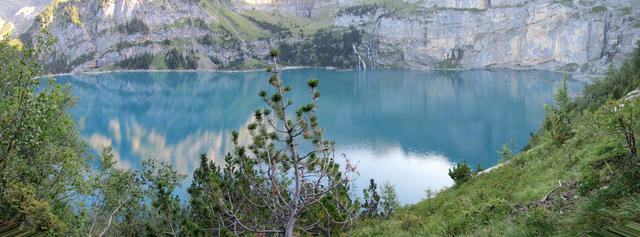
<point>405,127</point>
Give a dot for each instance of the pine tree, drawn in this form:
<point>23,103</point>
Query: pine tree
<point>389,199</point>
<point>557,117</point>
<point>460,173</point>
<point>371,200</point>
<point>286,180</point>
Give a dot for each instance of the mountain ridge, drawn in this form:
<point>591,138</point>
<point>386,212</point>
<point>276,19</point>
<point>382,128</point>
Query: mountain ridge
<point>561,35</point>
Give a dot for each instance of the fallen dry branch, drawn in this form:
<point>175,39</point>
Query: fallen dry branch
<point>546,197</point>
<point>523,207</point>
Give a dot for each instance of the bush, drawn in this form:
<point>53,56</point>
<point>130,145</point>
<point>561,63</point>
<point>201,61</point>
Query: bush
<point>461,173</point>
<point>411,222</point>
<point>557,119</point>
<point>370,206</point>
<point>622,118</point>
<point>506,153</point>
<point>389,199</point>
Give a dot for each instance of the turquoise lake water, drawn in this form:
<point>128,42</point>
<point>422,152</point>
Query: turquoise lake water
<point>405,127</point>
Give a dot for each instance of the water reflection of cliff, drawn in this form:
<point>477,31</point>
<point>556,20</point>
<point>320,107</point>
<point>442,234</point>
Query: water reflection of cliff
<point>379,117</point>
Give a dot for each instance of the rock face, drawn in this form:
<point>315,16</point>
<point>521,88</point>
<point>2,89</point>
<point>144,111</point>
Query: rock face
<point>551,35</point>
<point>581,35</point>
<point>20,13</point>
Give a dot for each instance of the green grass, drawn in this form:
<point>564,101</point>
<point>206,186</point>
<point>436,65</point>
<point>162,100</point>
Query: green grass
<point>294,23</point>
<point>228,21</point>
<point>158,62</point>
<point>248,30</point>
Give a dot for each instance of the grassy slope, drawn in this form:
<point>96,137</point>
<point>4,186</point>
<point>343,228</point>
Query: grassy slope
<point>606,190</point>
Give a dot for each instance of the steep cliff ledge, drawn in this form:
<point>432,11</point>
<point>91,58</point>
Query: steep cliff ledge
<point>582,35</point>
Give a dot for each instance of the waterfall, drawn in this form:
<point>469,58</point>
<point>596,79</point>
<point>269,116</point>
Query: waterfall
<point>360,61</point>
<point>371,54</point>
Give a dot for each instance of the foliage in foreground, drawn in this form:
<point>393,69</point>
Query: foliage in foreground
<point>285,181</point>
<point>50,183</point>
<point>578,176</point>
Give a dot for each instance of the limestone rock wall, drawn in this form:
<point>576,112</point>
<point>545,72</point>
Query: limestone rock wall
<point>566,35</point>
<point>539,34</point>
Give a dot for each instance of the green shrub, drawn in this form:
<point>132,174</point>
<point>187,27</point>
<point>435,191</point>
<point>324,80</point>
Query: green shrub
<point>411,222</point>
<point>461,173</point>
<point>370,207</point>
<point>506,153</point>
<point>557,120</point>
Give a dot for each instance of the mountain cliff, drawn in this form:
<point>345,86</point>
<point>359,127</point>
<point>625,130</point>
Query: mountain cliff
<point>581,35</point>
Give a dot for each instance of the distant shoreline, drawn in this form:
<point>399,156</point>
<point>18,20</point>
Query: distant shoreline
<point>582,77</point>
<point>175,70</point>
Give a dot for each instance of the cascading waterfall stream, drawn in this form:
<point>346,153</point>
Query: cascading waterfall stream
<point>360,61</point>
<point>371,54</point>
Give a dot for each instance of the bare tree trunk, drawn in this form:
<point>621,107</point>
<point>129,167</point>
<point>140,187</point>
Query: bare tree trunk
<point>289,228</point>
<point>293,207</point>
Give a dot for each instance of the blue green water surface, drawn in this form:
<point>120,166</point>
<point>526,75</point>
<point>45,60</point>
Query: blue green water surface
<point>405,127</point>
